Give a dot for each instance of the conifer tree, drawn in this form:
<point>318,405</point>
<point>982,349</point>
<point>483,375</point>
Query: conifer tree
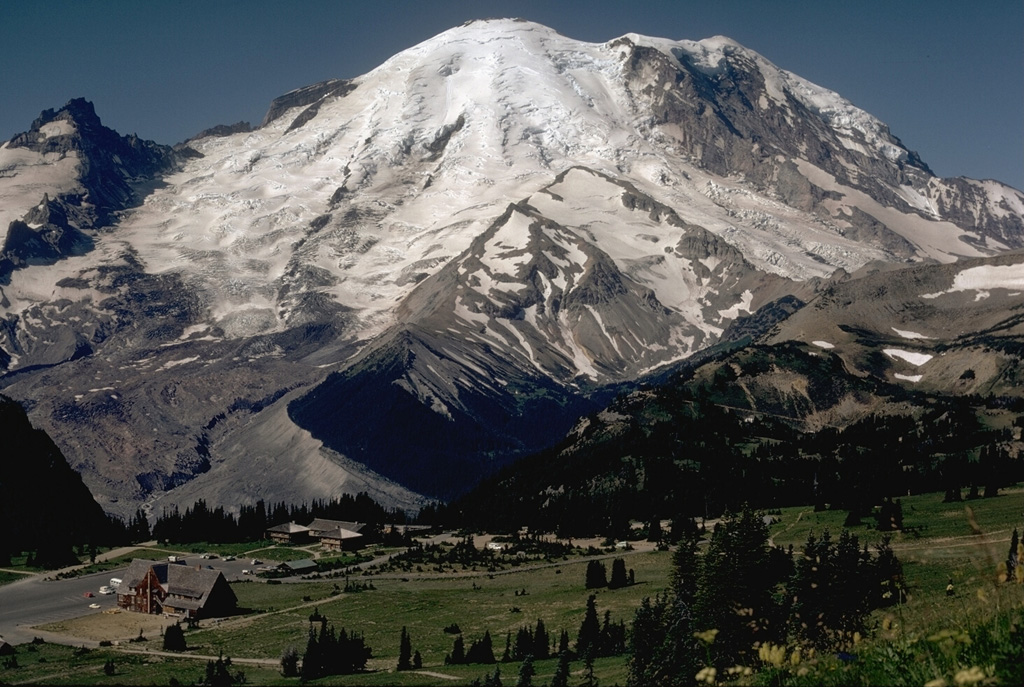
<point>618,580</point>
<point>596,575</point>
<point>734,575</point>
<point>561,676</point>
<point>311,660</point>
<point>174,638</point>
<point>458,654</point>
<point>590,629</point>
<point>563,643</point>
<point>290,662</point>
<point>540,650</point>
<point>523,645</point>
<point>1012,561</point>
<point>404,651</point>
<point>645,642</point>
<point>526,673</point>
<point>653,530</point>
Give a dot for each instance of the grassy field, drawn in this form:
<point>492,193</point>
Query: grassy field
<point>426,605</point>
<point>56,664</point>
<point>279,554</point>
<point>925,517</point>
<point>8,577</point>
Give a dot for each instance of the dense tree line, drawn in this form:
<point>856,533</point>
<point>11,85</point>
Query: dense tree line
<point>688,449</point>
<point>595,639</point>
<point>199,522</point>
<point>741,594</point>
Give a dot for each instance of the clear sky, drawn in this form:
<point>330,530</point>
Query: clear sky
<point>947,76</point>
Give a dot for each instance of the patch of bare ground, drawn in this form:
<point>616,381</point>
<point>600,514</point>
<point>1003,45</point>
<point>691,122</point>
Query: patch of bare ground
<point>119,626</point>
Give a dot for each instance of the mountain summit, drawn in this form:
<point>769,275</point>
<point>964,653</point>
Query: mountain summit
<point>400,281</point>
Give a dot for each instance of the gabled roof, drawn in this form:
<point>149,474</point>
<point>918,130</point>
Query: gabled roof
<point>288,528</point>
<point>185,581</point>
<point>323,525</point>
<point>138,569</point>
<point>300,565</point>
<point>339,533</point>
<point>178,580</point>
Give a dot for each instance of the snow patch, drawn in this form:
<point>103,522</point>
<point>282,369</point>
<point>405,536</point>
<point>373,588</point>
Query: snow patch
<point>908,378</point>
<point>983,278</point>
<point>915,359</point>
<point>742,306</point>
<point>58,127</point>
<point>824,344</point>
<point>176,363</point>
<point>910,335</point>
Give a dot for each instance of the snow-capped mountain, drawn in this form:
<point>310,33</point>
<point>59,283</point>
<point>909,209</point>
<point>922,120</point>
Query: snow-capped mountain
<point>477,235</point>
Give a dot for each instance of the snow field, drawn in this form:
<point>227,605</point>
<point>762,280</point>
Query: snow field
<point>915,359</point>
<point>983,278</point>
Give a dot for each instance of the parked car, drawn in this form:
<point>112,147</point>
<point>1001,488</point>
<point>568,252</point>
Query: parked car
<point>106,590</point>
<point>255,561</point>
<point>88,595</point>
<point>229,558</point>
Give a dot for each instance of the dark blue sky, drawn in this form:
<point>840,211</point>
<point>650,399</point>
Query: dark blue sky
<point>946,75</point>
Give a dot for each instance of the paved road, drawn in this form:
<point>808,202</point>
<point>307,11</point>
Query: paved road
<point>35,600</point>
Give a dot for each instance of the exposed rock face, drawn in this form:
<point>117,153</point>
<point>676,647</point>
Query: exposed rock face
<point>309,98</point>
<point>924,327</point>
<point>110,170</point>
<point>473,242</point>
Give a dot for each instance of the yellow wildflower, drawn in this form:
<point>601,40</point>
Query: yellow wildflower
<point>969,676</point>
<point>707,674</point>
<point>707,636</point>
<point>771,654</point>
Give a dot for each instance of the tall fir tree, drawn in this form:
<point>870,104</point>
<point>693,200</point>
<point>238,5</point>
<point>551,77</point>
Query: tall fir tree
<point>526,673</point>
<point>590,629</point>
<point>597,575</point>
<point>404,651</point>
<point>735,589</point>
<point>562,670</point>
<point>541,649</point>
<point>618,579</point>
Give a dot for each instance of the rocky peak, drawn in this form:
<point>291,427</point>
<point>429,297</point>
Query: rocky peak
<point>109,171</point>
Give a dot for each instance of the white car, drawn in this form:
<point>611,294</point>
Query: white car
<point>106,590</point>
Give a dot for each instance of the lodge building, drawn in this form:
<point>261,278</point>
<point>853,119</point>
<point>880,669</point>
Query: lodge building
<point>176,589</point>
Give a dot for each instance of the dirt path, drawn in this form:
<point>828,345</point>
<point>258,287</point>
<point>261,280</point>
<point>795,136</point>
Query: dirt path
<point>269,662</point>
<point>431,673</point>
